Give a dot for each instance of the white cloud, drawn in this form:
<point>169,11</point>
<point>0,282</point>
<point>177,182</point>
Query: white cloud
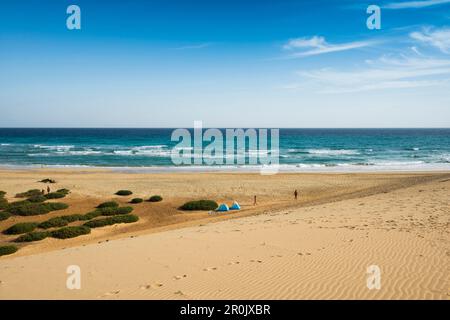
<point>316,45</point>
<point>439,38</point>
<point>384,73</point>
<point>414,4</point>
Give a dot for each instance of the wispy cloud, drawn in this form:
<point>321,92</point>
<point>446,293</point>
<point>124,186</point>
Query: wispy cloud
<point>414,4</point>
<point>383,73</point>
<point>303,47</point>
<point>194,46</point>
<point>438,38</point>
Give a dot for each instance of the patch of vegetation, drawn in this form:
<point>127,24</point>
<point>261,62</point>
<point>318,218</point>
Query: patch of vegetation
<point>115,211</point>
<point>29,193</point>
<point>70,232</point>
<point>37,198</point>
<point>128,218</point>
<point>200,205</point>
<point>47,181</point>
<point>108,204</point>
<point>136,200</point>
<point>2,194</point>
<point>155,198</point>
<point>55,195</point>
<point>5,250</point>
<point>19,228</point>
<point>3,203</point>
<point>63,191</point>
<point>124,193</point>
<point>4,215</point>
<point>72,217</point>
<point>53,222</point>
<point>91,215</point>
<point>29,209</point>
<point>33,236</point>
<point>55,206</point>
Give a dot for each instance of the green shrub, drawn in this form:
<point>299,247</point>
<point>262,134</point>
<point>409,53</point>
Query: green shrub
<point>38,198</point>
<point>18,204</point>
<point>124,193</point>
<point>53,222</point>
<point>136,200</point>
<point>108,204</point>
<point>47,181</point>
<point>19,228</point>
<point>200,205</point>
<point>127,218</point>
<point>55,195</point>
<point>70,232</point>
<point>33,236</point>
<point>30,209</point>
<point>155,198</point>
<point>3,203</point>
<point>91,215</point>
<point>63,191</point>
<point>115,211</point>
<point>4,215</point>
<point>5,250</point>
<point>2,194</point>
<point>29,193</point>
<point>55,206</point>
<point>72,217</point>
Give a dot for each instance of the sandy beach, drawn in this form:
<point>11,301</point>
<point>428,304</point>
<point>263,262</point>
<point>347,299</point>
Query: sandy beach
<point>318,247</point>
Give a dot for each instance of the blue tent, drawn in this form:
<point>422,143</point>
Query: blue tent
<point>222,207</point>
<point>235,206</point>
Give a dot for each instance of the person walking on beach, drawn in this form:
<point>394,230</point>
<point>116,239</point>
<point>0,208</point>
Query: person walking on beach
<point>48,189</point>
<point>295,194</point>
<point>254,200</point>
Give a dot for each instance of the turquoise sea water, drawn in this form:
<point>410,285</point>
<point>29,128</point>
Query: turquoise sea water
<point>300,149</point>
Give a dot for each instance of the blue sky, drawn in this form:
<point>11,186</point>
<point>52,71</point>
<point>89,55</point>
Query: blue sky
<point>228,63</point>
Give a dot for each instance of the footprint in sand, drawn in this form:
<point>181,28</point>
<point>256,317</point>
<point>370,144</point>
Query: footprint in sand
<point>179,277</point>
<point>151,286</point>
<point>210,269</point>
<point>111,293</point>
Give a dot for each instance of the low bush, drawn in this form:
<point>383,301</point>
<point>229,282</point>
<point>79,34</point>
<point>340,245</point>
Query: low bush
<point>70,232</point>
<point>128,218</point>
<point>91,215</point>
<point>29,193</point>
<point>72,217</point>
<point>33,236</point>
<point>63,191</point>
<point>55,195</point>
<point>5,250</point>
<point>47,181</point>
<point>53,222</point>
<point>2,194</point>
<point>200,205</point>
<point>124,193</point>
<point>115,211</point>
<point>136,200</point>
<point>108,204</point>
<point>37,198</point>
<point>155,198</point>
<point>55,206</point>
<point>19,228</point>
<point>3,203</point>
<point>30,209</point>
<point>4,215</point>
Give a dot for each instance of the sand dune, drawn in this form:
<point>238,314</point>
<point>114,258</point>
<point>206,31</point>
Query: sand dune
<point>305,252</point>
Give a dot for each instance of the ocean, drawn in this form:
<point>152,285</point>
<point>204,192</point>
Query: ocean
<point>301,150</point>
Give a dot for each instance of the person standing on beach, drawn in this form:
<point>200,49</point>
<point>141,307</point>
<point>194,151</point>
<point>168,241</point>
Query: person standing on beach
<point>295,194</point>
<point>254,200</point>
<point>48,189</point>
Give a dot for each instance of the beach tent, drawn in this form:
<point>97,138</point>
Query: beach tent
<point>235,206</point>
<point>222,207</point>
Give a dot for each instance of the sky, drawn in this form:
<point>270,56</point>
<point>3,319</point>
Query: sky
<point>228,63</point>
